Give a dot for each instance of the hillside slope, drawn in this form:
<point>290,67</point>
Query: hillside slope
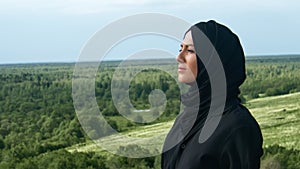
<point>278,116</point>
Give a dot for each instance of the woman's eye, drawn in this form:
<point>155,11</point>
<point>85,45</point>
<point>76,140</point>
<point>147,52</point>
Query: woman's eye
<point>191,51</point>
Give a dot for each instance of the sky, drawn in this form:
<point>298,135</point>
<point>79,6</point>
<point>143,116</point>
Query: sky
<point>57,31</point>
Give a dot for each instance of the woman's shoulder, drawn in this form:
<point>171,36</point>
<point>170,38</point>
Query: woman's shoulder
<point>238,120</point>
<point>240,116</point>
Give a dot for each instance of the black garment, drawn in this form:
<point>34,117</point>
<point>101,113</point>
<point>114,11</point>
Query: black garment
<point>236,143</point>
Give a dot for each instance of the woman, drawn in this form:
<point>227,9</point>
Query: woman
<point>236,140</point>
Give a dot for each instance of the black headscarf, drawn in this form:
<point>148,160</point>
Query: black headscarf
<point>230,52</point>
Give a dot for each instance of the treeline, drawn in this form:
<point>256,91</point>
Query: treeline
<point>275,157</point>
<point>271,76</point>
<point>62,159</point>
<point>36,114</point>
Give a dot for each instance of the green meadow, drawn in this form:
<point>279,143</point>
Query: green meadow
<point>278,117</point>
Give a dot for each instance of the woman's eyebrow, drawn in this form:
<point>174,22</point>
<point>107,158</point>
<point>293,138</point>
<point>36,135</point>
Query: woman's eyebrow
<point>181,45</point>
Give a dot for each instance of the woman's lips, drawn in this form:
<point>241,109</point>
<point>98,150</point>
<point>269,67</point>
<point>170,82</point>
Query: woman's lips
<point>181,69</point>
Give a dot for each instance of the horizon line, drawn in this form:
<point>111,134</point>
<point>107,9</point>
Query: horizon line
<point>120,59</point>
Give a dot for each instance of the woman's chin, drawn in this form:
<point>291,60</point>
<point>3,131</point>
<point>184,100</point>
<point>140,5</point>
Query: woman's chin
<point>186,80</point>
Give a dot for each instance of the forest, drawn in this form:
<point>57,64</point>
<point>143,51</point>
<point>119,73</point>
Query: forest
<point>39,126</point>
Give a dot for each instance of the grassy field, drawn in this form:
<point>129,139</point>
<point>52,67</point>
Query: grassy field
<point>279,119</point>
<point>278,116</point>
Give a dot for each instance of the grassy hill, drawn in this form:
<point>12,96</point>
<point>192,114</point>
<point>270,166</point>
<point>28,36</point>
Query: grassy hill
<point>278,116</point>
<point>279,119</point>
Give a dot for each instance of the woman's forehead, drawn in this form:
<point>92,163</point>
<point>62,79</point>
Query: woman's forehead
<point>188,40</point>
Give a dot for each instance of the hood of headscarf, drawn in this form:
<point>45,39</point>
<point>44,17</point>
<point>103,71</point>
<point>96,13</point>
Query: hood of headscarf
<point>230,52</point>
<point>227,47</point>
<point>197,100</point>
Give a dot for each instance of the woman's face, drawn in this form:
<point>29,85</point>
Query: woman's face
<point>187,60</point>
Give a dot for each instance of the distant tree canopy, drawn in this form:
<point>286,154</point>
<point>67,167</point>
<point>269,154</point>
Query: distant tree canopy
<point>271,77</point>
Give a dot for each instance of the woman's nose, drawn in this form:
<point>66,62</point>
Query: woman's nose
<point>180,57</point>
